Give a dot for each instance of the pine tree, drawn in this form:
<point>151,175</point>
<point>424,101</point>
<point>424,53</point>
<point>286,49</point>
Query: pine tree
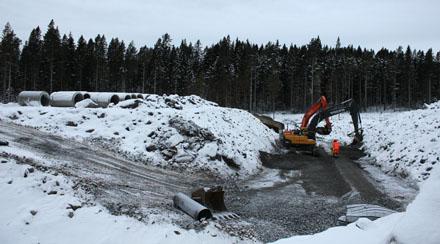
<point>9,60</point>
<point>31,60</point>
<point>50,54</point>
<point>131,67</point>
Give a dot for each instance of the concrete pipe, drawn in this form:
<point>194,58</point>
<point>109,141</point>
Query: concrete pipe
<point>123,96</point>
<point>139,96</point>
<point>103,99</point>
<point>191,207</point>
<point>33,98</point>
<point>134,96</point>
<point>86,95</point>
<point>65,98</point>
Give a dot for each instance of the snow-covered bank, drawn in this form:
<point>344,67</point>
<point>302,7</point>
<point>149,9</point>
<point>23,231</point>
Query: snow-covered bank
<point>168,131</point>
<point>406,144</point>
<point>43,207</point>
<point>419,224</point>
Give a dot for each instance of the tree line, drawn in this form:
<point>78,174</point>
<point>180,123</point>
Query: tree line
<point>232,73</point>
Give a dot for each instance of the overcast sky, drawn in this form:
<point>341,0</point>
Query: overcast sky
<point>368,23</point>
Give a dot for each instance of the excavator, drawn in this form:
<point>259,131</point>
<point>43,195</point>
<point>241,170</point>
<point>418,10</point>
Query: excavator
<point>305,136</point>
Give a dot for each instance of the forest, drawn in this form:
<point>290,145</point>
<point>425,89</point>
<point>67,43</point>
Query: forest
<point>233,73</point>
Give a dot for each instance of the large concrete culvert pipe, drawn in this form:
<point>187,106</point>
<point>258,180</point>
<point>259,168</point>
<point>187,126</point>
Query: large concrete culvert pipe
<point>134,96</point>
<point>33,98</point>
<point>65,98</point>
<point>85,94</point>
<point>103,99</point>
<point>123,96</point>
<point>139,96</point>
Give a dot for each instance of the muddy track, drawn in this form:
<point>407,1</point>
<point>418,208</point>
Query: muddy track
<point>312,199</point>
<point>113,179</point>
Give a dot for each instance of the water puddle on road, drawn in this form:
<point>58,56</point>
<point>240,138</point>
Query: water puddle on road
<point>272,178</point>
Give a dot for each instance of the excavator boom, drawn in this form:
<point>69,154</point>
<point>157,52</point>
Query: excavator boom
<point>346,106</point>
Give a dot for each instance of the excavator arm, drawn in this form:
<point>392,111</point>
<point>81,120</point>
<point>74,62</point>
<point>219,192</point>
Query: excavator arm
<point>321,104</point>
<point>346,106</point>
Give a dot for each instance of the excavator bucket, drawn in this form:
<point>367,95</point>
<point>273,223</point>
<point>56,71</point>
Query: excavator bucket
<point>212,198</point>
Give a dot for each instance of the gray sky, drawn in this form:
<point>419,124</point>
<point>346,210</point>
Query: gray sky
<point>371,24</point>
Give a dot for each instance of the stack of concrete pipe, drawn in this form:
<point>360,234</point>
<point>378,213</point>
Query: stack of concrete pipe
<point>65,98</point>
<point>33,98</point>
<point>70,98</point>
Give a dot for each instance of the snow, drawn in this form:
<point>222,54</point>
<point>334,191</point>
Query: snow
<point>418,224</point>
<point>167,131</point>
<point>86,103</point>
<point>406,144</point>
<point>31,215</point>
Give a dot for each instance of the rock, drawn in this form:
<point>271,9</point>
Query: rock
<point>73,207</point>
<point>34,212</point>
<point>176,232</point>
<point>71,123</point>
<point>10,182</point>
<point>90,130</point>
<point>31,170</point>
<point>4,161</point>
<point>52,193</point>
<point>116,133</point>
<point>4,143</point>
<point>102,115</point>
<point>173,103</point>
<point>169,153</point>
<point>70,214</point>
<point>151,148</point>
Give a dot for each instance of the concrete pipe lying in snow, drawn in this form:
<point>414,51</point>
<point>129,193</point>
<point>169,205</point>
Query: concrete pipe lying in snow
<point>85,94</point>
<point>139,96</point>
<point>133,96</point>
<point>65,98</point>
<point>123,96</point>
<point>191,207</point>
<point>33,98</point>
<point>103,99</point>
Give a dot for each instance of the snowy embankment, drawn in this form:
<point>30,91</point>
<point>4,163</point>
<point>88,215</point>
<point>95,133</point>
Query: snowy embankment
<point>418,224</point>
<point>44,207</point>
<point>167,131</point>
<point>406,144</point>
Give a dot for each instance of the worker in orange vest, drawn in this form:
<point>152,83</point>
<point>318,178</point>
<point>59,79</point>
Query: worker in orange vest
<point>335,147</point>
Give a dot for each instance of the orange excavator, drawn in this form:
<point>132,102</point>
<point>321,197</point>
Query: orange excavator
<point>305,136</point>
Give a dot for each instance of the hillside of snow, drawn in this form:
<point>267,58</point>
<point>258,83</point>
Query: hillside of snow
<point>167,131</point>
<point>45,207</point>
<point>418,224</point>
<point>406,144</point>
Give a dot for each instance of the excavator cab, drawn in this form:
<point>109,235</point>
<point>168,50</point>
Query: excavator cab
<point>306,135</point>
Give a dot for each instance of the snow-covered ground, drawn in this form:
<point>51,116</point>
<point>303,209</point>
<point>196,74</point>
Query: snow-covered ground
<point>168,131</point>
<point>406,144</point>
<point>44,207</point>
